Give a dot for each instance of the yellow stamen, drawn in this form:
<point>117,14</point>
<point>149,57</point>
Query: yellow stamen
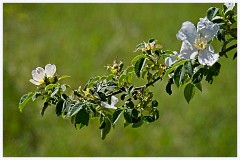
<point>200,43</point>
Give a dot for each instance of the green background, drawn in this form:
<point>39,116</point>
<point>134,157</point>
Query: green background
<point>80,39</point>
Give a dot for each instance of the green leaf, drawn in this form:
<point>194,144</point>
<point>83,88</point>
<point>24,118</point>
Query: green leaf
<point>116,115</point>
<point>218,20</point>
<point>177,75</point>
<point>135,59</point>
<point>129,103</point>
<point>82,118</point>
<point>77,107</point>
<point>138,124</point>
<point>212,71</point>
<point>50,86</point>
<point>55,92</point>
<point>106,129</point>
<point>63,77</point>
<point>139,47</point>
<point>149,119</point>
<point>189,92</point>
<point>102,123</point>
<point>154,103</point>
<point>59,108</point>
<point>24,99</point>
<point>138,66</point>
<point>199,86</point>
<point>197,77</point>
<point>156,114</point>
<point>134,113</point>
<point>212,12</point>
<point>128,115</point>
<point>45,106</point>
<point>169,86</point>
<point>36,94</point>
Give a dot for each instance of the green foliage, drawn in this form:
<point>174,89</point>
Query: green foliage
<point>24,99</point>
<point>97,98</point>
<point>189,92</point>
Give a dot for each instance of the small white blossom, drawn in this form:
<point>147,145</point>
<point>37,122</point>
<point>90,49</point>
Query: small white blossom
<point>39,74</point>
<point>114,101</point>
<point>195,41</point>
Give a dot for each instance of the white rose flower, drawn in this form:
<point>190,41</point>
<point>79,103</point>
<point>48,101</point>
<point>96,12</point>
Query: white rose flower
<point>114,101</point>
<point>39,74</point>
<point>195,41</point>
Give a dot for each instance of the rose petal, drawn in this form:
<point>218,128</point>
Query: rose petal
<point>207,29</point>
<point>38,74</point>
<point>187,33</point>
<point>34,82</point>
<point>188,51</point>
<point>50,70</point>
<point>207,56</point>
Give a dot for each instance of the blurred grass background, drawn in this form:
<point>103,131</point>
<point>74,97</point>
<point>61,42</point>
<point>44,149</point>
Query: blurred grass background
<point>82,38</point>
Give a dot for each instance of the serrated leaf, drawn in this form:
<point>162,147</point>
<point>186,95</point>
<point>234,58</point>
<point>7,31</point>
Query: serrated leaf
<point>189,92</point>
<point>116,115</point>
<point>106,129</point>
<point>24,99</point>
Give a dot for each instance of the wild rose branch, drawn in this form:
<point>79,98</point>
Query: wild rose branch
<point>99,98</point>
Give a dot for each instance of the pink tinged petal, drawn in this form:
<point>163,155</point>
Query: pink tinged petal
<point>35,82</point>
<point>50,70</point>
<point>188,51</point>
<point>38,74</point>
<point>207,56</point>
<point>187,33</point>
<point>207,29</point>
